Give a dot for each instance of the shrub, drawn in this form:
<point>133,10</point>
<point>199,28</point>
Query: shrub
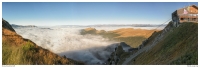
<point>28,46</point>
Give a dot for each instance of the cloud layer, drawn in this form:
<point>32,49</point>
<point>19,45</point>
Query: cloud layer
<point>67,41</point>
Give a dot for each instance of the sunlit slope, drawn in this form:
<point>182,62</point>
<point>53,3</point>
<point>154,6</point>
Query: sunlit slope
<point>178,46</point>
<point>17,50</point>
<point>130,36</point>
<point>131,32</point>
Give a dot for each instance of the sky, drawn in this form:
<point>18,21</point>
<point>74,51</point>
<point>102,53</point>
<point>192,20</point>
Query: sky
<point>89,13</point>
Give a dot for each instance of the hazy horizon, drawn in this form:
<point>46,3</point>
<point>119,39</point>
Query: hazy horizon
<point>88,24</point>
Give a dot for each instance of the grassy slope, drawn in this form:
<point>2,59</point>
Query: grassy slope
<point>177,47</point>
<point>17,50</point>
<point>122,35</point>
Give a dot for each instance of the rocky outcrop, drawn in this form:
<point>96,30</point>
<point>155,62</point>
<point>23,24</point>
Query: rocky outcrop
<point>6,25</point>
<point>115,56</point>
<point>118,55</point>
<point>124,46</point>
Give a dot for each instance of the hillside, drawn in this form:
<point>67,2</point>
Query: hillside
<point>173,45</point>
<point>132,37</point>
<point>17,50</point>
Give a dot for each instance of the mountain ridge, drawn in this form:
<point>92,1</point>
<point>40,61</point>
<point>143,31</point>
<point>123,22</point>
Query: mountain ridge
<point>172,45</point>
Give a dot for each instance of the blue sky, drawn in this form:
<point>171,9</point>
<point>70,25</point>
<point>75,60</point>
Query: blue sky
<point>89,13</point>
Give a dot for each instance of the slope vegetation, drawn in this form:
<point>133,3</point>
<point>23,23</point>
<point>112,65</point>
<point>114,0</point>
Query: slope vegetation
<point>17,50</point>
<point>179,45</point>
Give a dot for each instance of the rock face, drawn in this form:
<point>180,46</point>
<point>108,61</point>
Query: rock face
<point>125,47</point>
<point>18,50</point>
<point>119,53</point>
<point>6,25</point>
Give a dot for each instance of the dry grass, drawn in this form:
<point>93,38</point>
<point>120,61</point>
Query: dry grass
<point>11,37</point>
<point>131,32</point>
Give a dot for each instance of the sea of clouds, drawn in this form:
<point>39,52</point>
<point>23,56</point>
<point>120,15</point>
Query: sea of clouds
<point>68,41</point>
<point>90,49</point>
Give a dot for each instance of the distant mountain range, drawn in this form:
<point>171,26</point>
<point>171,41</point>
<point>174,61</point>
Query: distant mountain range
<point>14,25</point>
<point>131,25</point>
